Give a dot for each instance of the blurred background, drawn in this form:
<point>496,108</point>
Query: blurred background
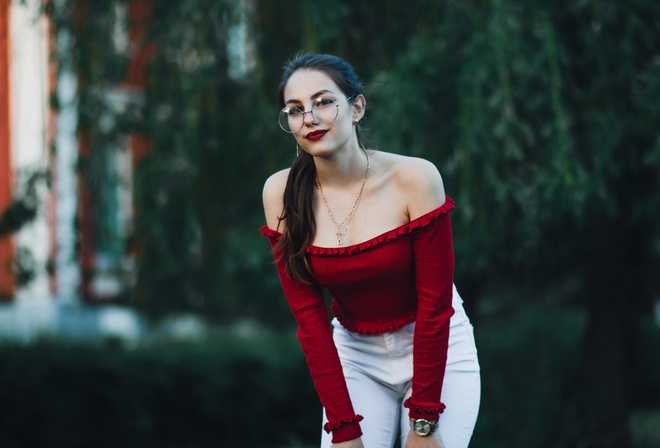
<point>139,303</point>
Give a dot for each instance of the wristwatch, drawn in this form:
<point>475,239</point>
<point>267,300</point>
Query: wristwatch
<point>423,427</point>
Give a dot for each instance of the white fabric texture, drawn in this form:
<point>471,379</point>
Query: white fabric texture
<point>378,371</point>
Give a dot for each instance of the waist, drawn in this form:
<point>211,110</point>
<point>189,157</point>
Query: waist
<point>366,325</point>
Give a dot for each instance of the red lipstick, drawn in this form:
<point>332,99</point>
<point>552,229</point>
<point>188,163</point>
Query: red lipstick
<point>316,135</point>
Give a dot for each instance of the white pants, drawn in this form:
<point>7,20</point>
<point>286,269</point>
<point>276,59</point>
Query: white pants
<point>378,371</point>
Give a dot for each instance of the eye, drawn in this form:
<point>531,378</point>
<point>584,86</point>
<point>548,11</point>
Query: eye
<point>323,102</point>
<point>292,111</point>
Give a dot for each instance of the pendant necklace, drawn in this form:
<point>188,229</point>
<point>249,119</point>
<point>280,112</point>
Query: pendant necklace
<point>342,227</point>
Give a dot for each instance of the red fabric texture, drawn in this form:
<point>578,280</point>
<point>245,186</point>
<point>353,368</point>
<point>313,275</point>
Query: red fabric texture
<point>378,286</point>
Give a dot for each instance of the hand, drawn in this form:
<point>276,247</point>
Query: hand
<point>432,441</point>
<point>355,443</point>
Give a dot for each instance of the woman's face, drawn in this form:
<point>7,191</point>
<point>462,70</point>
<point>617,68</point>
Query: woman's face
<point>308,89</point>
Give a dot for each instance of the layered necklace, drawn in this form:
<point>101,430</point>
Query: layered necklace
<point>342,227</point>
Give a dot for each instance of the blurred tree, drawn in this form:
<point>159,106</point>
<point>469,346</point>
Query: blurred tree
<point>193,190</point>
<point>549,142</point>
<point>21,211</point>
<point>542,117</point>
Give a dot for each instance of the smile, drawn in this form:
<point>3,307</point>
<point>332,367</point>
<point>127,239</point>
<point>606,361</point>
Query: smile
<point>316,135</point>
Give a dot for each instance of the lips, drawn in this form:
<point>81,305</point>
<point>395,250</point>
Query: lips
<point>316,135</point>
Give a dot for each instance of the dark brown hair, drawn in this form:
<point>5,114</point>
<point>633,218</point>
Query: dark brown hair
<point>299,191</point>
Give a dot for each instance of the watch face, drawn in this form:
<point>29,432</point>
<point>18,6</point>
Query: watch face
<point>422,427</point>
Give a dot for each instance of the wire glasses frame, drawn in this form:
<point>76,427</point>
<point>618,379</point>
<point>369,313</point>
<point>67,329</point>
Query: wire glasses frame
<point>324,110</point>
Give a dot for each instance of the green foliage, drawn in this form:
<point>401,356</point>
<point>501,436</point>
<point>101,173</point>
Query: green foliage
<point>529,361</point>
<point>228,392</point>
<point>21,212</point>
<point>205,394</point>
<point>530,358</point>
<point>23,208</point>
<point>647,389</point>
<point>543,133</point>
<point>198,190</point>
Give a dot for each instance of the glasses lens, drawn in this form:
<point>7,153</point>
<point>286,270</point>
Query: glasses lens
<point>325,110</point>
<point>291,119</point>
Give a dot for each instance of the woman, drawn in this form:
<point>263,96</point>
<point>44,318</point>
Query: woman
<point>373,229</point>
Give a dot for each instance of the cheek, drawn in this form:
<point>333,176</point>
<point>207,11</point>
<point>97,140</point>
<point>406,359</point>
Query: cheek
<point>345,123</point>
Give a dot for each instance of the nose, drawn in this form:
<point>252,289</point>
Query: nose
<point>309,118</point>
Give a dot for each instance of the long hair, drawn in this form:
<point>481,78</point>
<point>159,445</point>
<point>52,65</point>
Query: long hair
<point>299,191</point>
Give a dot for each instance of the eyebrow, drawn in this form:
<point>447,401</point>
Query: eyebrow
<point>316,95</point>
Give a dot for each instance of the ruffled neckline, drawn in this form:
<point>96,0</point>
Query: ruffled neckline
<point>390,235</point>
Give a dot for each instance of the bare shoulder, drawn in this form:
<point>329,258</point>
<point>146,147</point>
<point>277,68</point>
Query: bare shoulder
<point>272,195</point>
<point>420,182</point>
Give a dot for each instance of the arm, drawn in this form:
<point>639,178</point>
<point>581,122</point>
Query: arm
<point>314,332</point>
<point>434,271</point>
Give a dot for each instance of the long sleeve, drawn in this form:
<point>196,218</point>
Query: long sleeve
<point>434,276</point>
<point>315,335</point>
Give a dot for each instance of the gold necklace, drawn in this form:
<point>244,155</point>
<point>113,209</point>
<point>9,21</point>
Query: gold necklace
<point>338,227</point>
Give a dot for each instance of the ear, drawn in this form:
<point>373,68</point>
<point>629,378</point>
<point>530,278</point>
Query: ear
<point>359,107</point>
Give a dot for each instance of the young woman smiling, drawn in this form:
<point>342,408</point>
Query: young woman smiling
<point>373,229</point>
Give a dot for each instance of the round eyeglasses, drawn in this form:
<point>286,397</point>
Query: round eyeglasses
<point>324,110</point>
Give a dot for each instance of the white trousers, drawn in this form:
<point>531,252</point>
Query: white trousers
<point>378,371</point>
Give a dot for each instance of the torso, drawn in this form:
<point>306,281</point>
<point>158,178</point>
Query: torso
<point>382,207</point>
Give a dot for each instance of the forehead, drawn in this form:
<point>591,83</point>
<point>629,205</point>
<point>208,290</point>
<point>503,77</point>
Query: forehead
<point>303,84</point>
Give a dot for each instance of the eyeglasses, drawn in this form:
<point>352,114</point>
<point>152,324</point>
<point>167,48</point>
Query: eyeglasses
<point>324,110</point>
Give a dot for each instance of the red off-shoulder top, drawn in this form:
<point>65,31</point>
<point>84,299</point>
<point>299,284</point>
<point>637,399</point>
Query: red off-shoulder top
<point>377,286</point>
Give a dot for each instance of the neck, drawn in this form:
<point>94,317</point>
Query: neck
<point>342,169</point>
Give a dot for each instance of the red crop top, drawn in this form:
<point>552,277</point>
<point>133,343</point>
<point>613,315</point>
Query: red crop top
<point>380,285</point>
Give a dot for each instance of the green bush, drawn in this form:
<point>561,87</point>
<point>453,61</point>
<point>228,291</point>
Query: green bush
<point>529,370</point>
<point>531,393</point>
<point>255,391</point>
<point>229,392</point>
